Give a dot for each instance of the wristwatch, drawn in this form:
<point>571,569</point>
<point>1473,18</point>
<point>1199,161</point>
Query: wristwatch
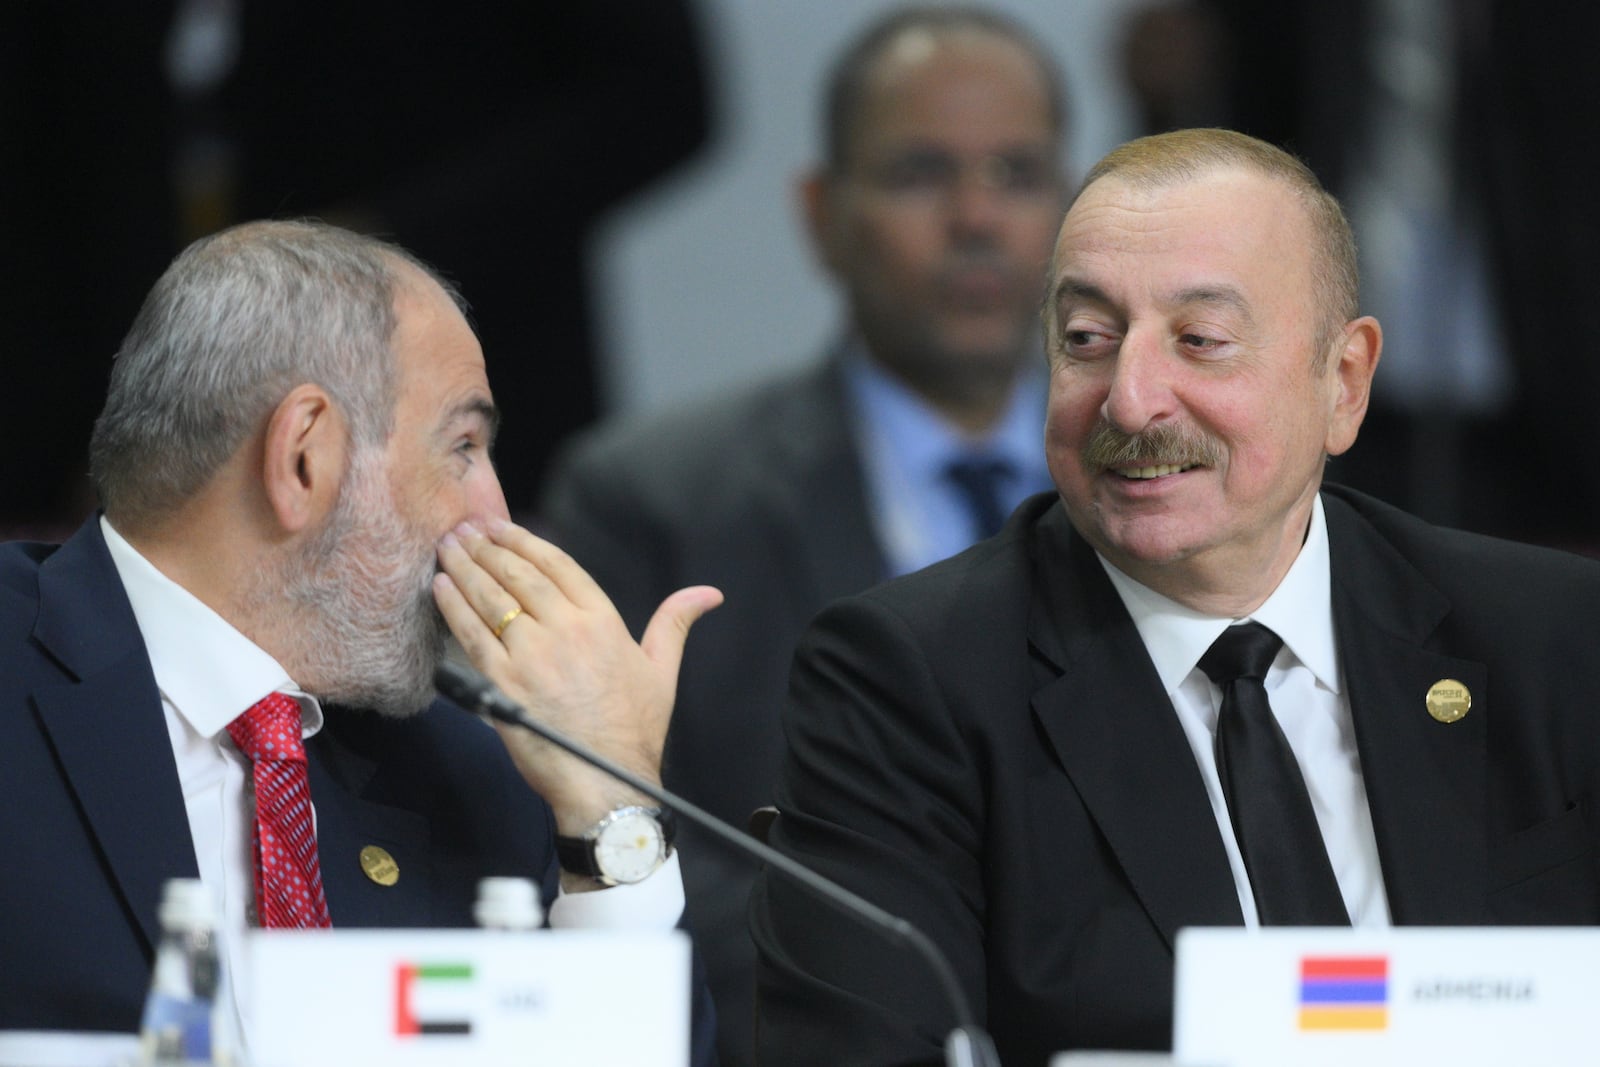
<point>623,848</point>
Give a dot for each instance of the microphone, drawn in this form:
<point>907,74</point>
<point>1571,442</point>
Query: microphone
<point>966,1046</point>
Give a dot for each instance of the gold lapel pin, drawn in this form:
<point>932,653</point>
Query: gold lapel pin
<point>379,865</point>
<point>1448,700</point>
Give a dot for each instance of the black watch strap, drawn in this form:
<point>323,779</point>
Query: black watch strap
<point>576,854</point>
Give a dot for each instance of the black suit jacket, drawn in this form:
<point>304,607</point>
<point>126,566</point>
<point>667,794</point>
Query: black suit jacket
<point>985,748</point>
<point>92,818</point>
<point>762,495</point>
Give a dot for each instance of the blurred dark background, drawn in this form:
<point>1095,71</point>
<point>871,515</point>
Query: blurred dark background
<point>1459,134</point>
<point>486,137</point>
<point>496,139</point>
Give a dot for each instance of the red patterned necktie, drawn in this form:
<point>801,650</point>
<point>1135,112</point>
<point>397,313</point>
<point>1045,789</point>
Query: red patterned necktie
<point>288,878</point>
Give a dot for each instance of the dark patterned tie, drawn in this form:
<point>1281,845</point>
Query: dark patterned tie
<point>1271,811</point>
<point>980,480</point>
<point>288,878</point>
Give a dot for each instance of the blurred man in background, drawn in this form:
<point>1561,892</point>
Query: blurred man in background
<point>913,435</point>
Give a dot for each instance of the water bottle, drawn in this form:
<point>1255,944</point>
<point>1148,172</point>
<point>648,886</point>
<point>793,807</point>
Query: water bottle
<point>510,904</point>
<point>185,990</point>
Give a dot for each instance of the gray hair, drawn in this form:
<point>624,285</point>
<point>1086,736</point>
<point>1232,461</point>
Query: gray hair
<point>238,320</point>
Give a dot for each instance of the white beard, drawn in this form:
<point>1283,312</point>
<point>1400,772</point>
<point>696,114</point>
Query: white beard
<point>369,634</point>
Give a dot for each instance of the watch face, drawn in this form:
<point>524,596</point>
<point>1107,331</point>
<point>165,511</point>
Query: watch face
<point>629,848</point>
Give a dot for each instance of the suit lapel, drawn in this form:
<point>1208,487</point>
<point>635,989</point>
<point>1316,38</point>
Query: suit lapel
<point>1113,728</point>
<point>105,723</point>
<point>1424,779</point>
<point>347,823</point>
<point>107,728</point>
<point>816,492</point>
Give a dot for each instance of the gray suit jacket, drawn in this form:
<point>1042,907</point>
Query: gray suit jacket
<point>985,749</point>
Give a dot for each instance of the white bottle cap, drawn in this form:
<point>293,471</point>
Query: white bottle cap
<point>185,905</point>
<point>508,904</point>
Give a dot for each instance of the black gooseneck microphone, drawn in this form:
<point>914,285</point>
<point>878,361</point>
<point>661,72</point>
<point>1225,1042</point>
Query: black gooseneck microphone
<point>966,1046</point>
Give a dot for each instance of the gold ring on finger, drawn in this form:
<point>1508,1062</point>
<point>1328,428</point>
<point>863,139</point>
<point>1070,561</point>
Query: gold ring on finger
<point>505,620</point>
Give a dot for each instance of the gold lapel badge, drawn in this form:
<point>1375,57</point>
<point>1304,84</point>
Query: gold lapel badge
<point>1448,700</point>
<point>379,865</point>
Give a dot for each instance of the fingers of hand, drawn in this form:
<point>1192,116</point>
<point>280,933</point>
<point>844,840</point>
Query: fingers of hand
<point>498,584</point>
<point>668,629</point>
<point>569,657</point>
<point>465,621</point>
<point>477,608</point>
<point>521,568</point>
<point>560,569</point>
<point>552,637</point>
<point>506,620</point>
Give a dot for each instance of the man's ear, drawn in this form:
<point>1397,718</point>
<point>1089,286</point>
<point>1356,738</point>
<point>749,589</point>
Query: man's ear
<point>816,191</point>
<point>303,458</point>
<point>1354,362</point>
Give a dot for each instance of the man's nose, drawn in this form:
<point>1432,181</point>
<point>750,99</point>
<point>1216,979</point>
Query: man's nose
<point>485,498</point>
<point>977,202</point>
<point>1141,390</point>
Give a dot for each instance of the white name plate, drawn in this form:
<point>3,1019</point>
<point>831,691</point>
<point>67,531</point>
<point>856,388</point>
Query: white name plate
<point>1471,997</point>
<point>452,998</point>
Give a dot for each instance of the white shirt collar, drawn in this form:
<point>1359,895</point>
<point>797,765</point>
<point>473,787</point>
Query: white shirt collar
<point>208,671</point>
<point>1300,611</point>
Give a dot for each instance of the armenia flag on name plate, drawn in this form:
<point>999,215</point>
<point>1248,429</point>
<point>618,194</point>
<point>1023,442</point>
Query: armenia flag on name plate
<point>1344,992</point>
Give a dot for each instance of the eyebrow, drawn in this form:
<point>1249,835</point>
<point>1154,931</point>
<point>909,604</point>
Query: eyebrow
<point>1218,296</point>
<point>1213,295</point>
<point>1081,290</point>
<point>476,406</point>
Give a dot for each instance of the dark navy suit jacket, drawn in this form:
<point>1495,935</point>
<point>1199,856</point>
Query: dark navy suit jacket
<point>92,819</point>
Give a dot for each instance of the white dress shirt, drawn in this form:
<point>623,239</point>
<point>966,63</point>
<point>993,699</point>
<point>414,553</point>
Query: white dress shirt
<point>208,674</point>
<point>1305,689</point>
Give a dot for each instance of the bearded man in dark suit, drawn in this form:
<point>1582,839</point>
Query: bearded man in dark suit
<point>299,506</point>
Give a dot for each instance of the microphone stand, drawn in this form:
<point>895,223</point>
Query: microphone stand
<point>966,1046</point>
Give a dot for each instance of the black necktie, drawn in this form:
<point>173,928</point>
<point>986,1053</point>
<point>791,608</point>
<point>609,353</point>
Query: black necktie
<point>1267,800</point>
<point>979,479</point>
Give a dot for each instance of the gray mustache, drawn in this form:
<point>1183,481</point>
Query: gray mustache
<point>1160,444</point>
